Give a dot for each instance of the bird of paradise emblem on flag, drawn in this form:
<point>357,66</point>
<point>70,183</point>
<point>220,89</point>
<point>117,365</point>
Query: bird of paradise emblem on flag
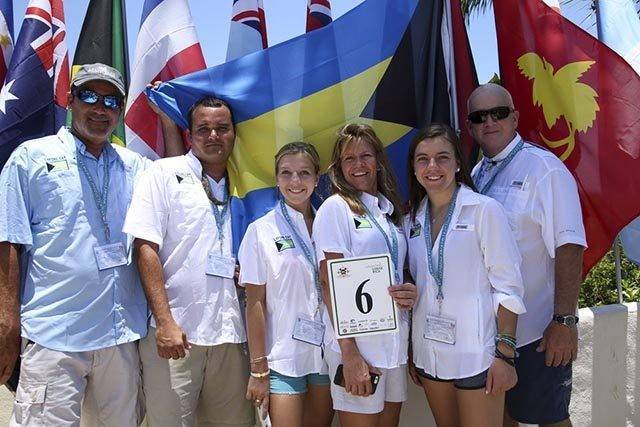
<point>561,95</point>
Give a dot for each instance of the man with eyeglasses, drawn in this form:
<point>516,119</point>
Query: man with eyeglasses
<point>541,199</point>
<point>72,302</point>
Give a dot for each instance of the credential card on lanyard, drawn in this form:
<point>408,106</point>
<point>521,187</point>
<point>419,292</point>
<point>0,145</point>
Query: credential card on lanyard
<point>109,256</point>
<point>440,329</point>
<point>308,330</point>
<point>220,266</point>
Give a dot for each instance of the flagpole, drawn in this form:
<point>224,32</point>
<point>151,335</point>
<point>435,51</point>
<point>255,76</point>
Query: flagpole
<point>618,265</point>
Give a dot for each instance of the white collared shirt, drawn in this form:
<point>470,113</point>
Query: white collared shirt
<point>541,199</point>
<point>170,208</point>
<point>336,229</point>
<point>481,272</point>
<point>270,255</point>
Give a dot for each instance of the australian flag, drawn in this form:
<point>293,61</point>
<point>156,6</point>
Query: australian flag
<point>34,97</point>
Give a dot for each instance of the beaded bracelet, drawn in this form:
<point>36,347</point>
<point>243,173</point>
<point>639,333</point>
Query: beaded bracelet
<point>509,360</point>
<point>261,374</point>
<point>507,339</point>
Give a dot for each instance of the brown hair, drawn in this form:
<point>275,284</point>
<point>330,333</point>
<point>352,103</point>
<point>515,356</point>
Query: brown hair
<point>386,181</point>
<point>435,130</point>
<point>299,148</point>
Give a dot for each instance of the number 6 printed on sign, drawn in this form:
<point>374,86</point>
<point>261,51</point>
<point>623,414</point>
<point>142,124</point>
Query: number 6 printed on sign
<point>361,302</point>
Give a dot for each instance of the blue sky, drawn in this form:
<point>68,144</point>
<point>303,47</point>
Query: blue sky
<point>286,19</point>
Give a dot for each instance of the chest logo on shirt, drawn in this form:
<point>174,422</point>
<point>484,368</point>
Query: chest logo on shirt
<point>55,164</point>
<point>283,243</point>
<point>415,230</point>
<point>184,178</point>
<point>361,222</point>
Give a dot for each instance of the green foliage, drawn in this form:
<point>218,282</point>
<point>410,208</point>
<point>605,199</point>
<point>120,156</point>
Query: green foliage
<point>599,288</point>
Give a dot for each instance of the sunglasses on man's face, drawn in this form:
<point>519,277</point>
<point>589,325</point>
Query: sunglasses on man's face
<point>496,113</point>
<point>111,102</point>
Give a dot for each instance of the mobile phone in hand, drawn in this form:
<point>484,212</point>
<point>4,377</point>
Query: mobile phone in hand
<point>339,379</point>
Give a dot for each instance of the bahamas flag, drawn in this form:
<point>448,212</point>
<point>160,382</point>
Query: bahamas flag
<point>387,63</point>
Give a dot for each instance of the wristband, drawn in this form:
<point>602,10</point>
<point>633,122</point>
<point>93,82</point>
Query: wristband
<point>261,374</point>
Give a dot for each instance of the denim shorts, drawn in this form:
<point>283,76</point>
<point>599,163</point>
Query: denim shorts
<point>543,393</point>
<point>470,383</point>
<point>282,384</point>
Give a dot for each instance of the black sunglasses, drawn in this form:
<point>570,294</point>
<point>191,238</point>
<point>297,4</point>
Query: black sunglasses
<point>496,113</point>
<point>111,102</point>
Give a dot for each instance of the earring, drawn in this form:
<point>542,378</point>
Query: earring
<point>458,170</point>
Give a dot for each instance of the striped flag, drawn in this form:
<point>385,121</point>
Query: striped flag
<point>104,39</point>
<point>318,14</point>
<point>619,28</point>
<point>167,47</point>
<point>248,30</point>
<point>6,36</point>
<point>381,64</point>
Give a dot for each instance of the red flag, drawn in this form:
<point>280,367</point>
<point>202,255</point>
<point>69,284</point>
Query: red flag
<point>580,99</point>
<point>466,79</point>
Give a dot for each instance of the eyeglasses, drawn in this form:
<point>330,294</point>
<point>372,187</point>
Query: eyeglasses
<point>496,113</point>
<point>111,102</point>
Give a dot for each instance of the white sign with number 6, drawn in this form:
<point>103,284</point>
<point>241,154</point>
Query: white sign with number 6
<point>360,298</point>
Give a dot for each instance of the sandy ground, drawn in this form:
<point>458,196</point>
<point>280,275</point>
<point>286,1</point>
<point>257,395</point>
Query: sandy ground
<point>6,402</point>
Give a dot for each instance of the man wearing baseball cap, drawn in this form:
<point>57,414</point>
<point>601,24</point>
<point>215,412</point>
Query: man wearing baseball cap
<point>73,306</point>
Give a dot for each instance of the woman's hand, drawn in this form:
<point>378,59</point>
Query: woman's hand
<point>501,376</point>
<point>404,295</point>
<point>357,377</point>
<point>258,393</point>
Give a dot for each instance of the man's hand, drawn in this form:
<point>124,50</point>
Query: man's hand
<point>404,295</point>
<point>171,341</point>
<point>9,350</point>
<point>560,343</point>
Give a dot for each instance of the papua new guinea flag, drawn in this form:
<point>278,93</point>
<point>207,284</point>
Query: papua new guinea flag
<point>581,99</point>
<point>387,63</point>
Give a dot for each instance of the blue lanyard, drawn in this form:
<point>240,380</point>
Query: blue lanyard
<point>503,164</point>
<point>100,199</point>
<point>308,254</point>
<point>391,245</point>
<point>219,215</point>
<point>438,274</point>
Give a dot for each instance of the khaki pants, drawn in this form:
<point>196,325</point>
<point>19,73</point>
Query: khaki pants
<point>59,388</point>
<point>208,386</point>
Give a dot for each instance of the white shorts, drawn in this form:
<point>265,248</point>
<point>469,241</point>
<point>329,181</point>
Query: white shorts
<point>391,388</point>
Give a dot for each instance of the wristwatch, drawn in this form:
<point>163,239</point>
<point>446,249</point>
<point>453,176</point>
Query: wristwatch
<point>566,319</point>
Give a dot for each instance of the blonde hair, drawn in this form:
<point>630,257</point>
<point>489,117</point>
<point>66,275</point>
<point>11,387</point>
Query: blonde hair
<point>386,182</point>
<point>299,148</point>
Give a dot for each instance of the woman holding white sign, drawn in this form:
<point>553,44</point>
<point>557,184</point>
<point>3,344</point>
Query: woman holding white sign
<point>465,261</point>
<point>284,300</point>
<point>363,218</point>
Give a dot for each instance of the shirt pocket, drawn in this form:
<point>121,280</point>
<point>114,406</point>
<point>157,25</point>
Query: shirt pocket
<point>516,204</point>
<point>54,192</point>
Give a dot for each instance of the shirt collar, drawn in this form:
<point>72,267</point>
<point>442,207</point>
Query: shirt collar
<point>506,150</point>
<point>466,197</point>
<point>78,145</point>
<point>294,214</point>
<point>196,167</point>
<point>378,202</point>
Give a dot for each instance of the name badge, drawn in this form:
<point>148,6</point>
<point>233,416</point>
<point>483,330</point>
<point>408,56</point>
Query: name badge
<point>109,256</point>
<point>221,266</point>
<point>308,330</point>
<point>440,329</point>
<point>463,227</point>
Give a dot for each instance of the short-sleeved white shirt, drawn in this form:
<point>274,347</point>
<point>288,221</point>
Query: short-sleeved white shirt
<point>481,272</point>
<point>337,229</point>
<point>170,208</point>
<point>270,255</point>
<point>541,199</point>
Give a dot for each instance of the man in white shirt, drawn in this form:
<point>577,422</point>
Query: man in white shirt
<point>541,199</point>
<point>194,365</point>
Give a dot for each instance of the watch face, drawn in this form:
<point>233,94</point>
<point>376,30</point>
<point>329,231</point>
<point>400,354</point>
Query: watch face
<point>569,320</point>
